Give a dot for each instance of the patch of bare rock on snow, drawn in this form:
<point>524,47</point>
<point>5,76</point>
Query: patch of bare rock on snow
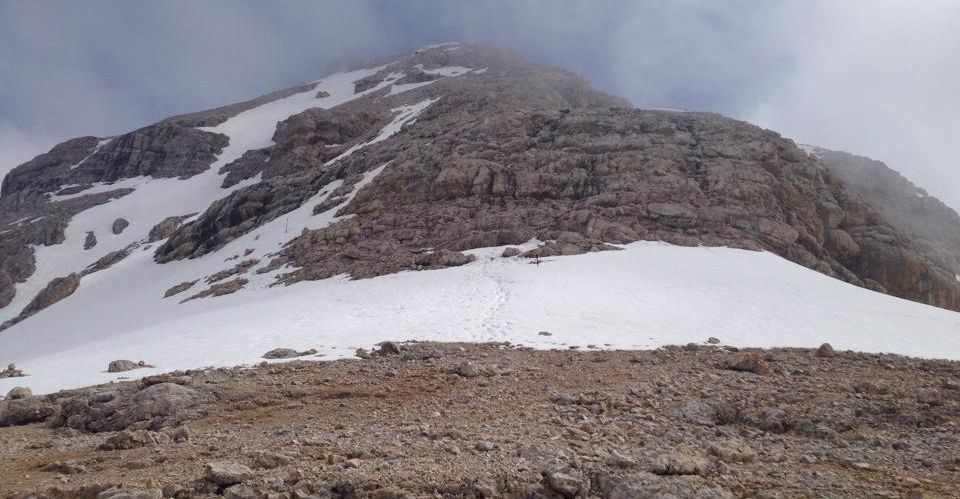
<point>495,420</point>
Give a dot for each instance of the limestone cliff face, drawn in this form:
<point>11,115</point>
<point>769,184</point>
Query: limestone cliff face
<point>506,153</point>
<point>933,226</point>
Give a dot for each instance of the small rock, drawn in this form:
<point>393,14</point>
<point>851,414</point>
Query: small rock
<point>540,452</point>
<point>19,392</point>
<point>821,431</point>
<point>871,388</point>
<point>119,366</point>
<point>712,412</point>
<point>751,362</point>
<point>732,453</point>
<point>362,353</point>
<point>126,440</point>
<point>180,434</point>
<point>119,225</point>
<point>680,464</point>
<point>117,493</point>
<point>242,491</point>
<point>825,351</point>
<point>11,372</point>
<point>713,341</point>
<point>568,484</point>
<point>287,353</point>
<point>389,348</point>
<point>510,252</point>
<point>281,353</point>
<point>910,483</point>
<point>226,474</point>
<point>352,463</point>
<point>545,333</point>
<point>65,468</point>
<point>90,241</point>
<point>618,460</point>
<point>467,369</point>
<point>165,378</point>
<point>929,396</point>
<point>270,460</point>
<point>484,446</point>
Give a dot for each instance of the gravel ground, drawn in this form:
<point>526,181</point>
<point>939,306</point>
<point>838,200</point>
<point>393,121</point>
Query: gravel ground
<point>489,420</point>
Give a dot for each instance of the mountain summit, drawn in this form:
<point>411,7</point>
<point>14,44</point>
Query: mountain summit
<point>226,230</point>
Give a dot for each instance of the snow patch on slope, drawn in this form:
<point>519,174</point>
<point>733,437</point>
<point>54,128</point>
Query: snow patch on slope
<point>254,128</point>
<point>97,188</point>
<point>100,145</point>
<point>405,115</point>
<point>445,71</point>
<point>645,296</point>
<point>445,45</point>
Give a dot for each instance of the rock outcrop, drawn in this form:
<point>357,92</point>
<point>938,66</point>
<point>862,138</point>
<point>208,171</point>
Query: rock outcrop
<point>153,407</point>
<point>161,150</point>
<point>55,291</point>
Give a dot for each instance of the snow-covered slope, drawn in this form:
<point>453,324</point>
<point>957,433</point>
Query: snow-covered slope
<point>647,295</point>
<point>155,199</point>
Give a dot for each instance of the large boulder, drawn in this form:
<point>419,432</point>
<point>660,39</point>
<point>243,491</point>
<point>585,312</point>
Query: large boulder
<point>153,407</point>
<point>25,411</point>
<point>19,392</point>
<point>119,225</point>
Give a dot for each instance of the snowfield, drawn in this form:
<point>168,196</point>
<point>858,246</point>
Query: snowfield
<point>645,296</point>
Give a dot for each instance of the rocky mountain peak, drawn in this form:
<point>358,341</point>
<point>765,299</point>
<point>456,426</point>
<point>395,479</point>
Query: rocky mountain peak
<point>405,164</point>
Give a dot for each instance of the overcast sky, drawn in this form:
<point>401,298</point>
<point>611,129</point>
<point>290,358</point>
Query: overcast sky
<point>873,77</point>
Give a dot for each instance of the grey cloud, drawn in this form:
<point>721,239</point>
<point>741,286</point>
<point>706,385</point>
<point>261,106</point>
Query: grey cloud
<point>871,77</point>
<point>876,78</point>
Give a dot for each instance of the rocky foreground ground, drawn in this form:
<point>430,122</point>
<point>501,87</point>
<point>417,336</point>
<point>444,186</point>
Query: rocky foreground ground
<point>469,420</point>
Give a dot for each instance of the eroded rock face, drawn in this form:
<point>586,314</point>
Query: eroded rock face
<point>55,291</point>
<point>166,228</point>
<point>161,150</point>
<point>524,152</point>
<point>909,209</point>
<point>312,137</point>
